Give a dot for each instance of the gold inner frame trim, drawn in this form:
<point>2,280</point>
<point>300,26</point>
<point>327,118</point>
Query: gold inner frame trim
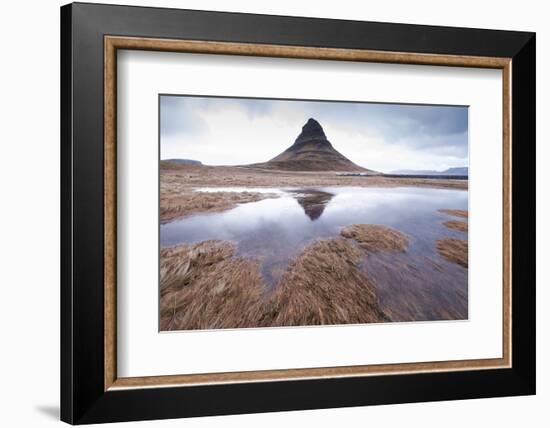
<point>113,43</point>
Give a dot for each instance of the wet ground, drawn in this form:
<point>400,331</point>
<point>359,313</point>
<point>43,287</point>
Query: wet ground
<point>417,284</point>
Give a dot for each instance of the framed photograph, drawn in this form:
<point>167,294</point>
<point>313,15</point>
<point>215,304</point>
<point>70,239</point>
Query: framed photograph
<point>266,213</point>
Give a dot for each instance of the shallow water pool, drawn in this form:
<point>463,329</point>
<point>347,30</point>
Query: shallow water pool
<point>415,285</point>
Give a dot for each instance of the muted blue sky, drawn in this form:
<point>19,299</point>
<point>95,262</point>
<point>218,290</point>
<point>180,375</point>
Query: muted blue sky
<point>383,137</point>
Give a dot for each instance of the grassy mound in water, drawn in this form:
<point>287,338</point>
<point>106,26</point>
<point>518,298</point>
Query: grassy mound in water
<point>174,206</point>
<point>324,286</point>
<point>455,213</point>
<point>461,226</point>
<point>376,237</point>
<point>205,286</point>
<point>454,250</point>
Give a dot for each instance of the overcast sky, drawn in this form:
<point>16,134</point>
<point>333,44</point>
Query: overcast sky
<point>383,137</point>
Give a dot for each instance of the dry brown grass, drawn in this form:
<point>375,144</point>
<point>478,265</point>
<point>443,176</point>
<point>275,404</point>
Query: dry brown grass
<point>375,237</point>
<point>454,250</point>
<point>205,286</point>
<point>461,226</point>
<point>177,181</point>
<point>324,286</point>
<point>174,178</point>
<point>455,213</point>
<point>174,206</point>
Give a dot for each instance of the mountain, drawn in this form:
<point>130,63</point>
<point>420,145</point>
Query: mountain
<point>311,151</point>
<point>184,161</point>
<point>461,170</point>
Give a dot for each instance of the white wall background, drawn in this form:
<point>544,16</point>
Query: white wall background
<point>29,214</point>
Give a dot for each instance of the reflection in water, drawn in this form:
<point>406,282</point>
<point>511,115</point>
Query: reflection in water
<point>312,201</point>
<point>415,285</point>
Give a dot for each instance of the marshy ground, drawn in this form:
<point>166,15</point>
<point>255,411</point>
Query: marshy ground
<point>339,271</point>
<point>178,205</point>
<point>205,286</point>
<point>461,226</point>
<point>455,213</point>
<point>453,249</point>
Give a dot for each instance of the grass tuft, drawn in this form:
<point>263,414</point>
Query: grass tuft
<point>205,286</point>
<point>461,226</point>
<point>455,213</point>
<point>375,237</point>
<point>454,250</point>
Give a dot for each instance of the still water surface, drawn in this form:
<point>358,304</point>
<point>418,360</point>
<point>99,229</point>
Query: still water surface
<point>415,285</point>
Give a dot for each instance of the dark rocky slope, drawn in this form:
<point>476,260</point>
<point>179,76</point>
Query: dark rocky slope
<point>311,152</point>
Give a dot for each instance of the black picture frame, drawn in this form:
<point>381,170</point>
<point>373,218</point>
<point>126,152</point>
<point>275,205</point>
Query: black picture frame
<point>83,398</point>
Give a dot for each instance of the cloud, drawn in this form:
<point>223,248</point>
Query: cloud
<point>233,131</point>
<point>179,116</point>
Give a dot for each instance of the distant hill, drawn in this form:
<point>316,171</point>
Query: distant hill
<point>462,170</point>
<point>183,161</point>
<point>311,151</point>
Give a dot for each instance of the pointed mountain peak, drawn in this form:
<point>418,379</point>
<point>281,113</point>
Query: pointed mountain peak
<point>311,151</point>
<point>311,130</point>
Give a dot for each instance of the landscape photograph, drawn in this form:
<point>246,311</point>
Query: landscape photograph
<point>295,213</point>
